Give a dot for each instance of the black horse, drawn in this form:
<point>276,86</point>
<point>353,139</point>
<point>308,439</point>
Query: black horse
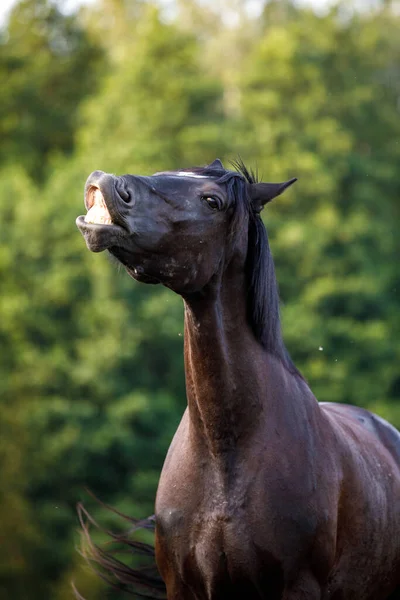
<point>264,494</point>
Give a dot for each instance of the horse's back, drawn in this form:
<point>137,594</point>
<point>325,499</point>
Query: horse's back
<point>368,539</point>
<point>388,435</point>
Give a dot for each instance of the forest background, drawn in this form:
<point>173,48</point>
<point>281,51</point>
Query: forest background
<point>91,368</point>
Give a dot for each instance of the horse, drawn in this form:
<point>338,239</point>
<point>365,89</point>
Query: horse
<point>265,493</point>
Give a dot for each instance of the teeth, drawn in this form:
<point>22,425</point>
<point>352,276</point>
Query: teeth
<point>99,212</point>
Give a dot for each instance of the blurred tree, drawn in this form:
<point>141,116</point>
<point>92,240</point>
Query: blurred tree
<point>320,97</point>
<point>49,65</point>
<point>90,395</point>
<point>157,107</point>
<point>91,374</point>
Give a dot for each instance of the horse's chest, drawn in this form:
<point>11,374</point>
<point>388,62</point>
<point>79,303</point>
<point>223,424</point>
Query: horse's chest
<point>215,552</point>
<point>201,536</point>
<point>220,533</point>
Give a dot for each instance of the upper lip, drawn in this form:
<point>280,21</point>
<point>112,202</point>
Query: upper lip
<point>108,197</point>
<point>89,196</point>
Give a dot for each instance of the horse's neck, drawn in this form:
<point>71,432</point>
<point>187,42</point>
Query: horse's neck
<point>226,381</point>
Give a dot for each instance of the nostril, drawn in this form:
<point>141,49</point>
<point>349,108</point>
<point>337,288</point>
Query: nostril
<point>123,192</point>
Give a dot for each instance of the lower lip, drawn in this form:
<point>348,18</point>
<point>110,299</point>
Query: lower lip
<point>82,223</point>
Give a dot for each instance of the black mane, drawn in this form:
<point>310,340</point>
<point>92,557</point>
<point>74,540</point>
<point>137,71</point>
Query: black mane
<point>263,293</point>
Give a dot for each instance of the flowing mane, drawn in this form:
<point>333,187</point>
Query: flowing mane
<point>263,298</point>
<point>263,293</point>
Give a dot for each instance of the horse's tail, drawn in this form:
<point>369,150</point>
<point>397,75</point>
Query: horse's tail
<point>143,581</point>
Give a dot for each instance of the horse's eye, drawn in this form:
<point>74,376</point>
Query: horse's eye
<point>212,202</point>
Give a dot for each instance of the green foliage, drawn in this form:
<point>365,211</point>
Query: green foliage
<point>167,99</point>
<point>332,115</point>
<point>91,369</point>
<point>49,65</point>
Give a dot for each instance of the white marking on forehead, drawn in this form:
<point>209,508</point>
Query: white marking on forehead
<point>190,174</point>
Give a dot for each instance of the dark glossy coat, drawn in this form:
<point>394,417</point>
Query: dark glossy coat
<point>264,494</point>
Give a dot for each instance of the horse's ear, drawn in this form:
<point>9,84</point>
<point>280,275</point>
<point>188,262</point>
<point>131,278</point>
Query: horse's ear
<point>217,164</point>
<point>262,193</point>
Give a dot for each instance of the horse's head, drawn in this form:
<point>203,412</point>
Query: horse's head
<point>176,227</point>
